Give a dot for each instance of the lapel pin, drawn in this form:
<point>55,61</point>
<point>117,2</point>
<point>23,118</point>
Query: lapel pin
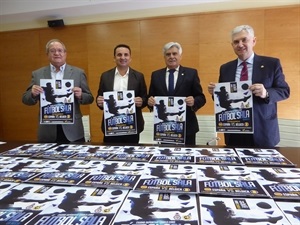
<point>262,66</point>
<point>182,74</point>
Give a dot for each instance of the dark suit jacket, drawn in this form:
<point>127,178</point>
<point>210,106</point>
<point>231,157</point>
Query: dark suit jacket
<point>136,82</point>
<point>47,133</point>
<point>267,71</point>
<point>188,84</point>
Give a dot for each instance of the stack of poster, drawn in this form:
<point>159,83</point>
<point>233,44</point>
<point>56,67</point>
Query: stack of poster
<point>174,155</point>
<point>228,181</point>
<point>246,211</point>
<point>57,101</point>
<point>263,157</point>
<point>115,174</point>
<point>291,210</point>
<point>280,183</point>
<point>168,177</point>
<point>119,113</point>
<point>28,150</point>
<point>169,119</point>
<point>217,156</point>
<point>233,107</point>
<point>158,208</point>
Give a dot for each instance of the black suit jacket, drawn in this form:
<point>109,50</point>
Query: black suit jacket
<point>267,71</point>
<point>136,82</point>
<point>188,84</point>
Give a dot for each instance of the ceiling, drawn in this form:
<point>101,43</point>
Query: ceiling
<point>24,14</point>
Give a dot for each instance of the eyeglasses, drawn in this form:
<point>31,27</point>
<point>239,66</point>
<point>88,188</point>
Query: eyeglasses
<point>59,51</point>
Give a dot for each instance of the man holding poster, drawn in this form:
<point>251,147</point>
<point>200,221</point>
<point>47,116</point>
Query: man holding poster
<point>268,87</point>
<point>56,77</point>
<point>185,83</point>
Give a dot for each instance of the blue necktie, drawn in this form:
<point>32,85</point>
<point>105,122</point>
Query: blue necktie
<point>171,82</point>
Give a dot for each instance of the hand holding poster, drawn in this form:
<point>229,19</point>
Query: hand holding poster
<point>57,102</point>
<point>119,113</point>
<point>233,107</point>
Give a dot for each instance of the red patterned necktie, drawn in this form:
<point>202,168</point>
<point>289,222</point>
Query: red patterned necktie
<point>244,72</point>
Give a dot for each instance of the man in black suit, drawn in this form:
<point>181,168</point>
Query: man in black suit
<point>186,84</point>
<point>122,78</point>
<point>268,87</point>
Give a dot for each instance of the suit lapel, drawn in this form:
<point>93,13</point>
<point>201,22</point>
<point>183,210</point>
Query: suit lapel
<point>258,67</point>
<point>68,72</point>
<point>47,73</point>
<point>180,78</point>
<point>162,81</point>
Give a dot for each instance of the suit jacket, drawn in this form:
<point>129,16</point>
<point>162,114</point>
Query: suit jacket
<point>267,71</point>
<point>136,82</point>
<point>188,84</point>
<point>47,133</point>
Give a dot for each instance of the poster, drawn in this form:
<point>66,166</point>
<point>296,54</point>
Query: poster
<point>57,102</point>
<point>233,103</point>
<point>119,113</point>
<point>169,119</point>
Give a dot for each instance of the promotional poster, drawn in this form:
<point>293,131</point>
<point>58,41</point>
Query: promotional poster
<point>57,102</point>
<point>291,210</point>
<point>233,103</point>
<point>81,206</point>
<point>119,113</point>
<point>228,181</point>
<point>174,155</point>
<point>240,211</point>
<point>115,174</point>
<point>279,182</point>
<point>28,150</point>
<point>168,177</point>
<point>158,208</point>
<point>263,157</point>
<point>169,119</point>
<point>217,156</point>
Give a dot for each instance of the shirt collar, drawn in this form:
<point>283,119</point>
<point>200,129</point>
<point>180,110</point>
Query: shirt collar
<point>117,72</point>
<point>248,61</point>
<point>53,69</point>
<point>176,69</point>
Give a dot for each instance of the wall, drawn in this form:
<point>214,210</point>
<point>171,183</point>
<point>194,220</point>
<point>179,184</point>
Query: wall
<point>205,38</point>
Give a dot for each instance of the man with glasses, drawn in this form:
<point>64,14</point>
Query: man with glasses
<point>59,70</point>
<point>268,87</point>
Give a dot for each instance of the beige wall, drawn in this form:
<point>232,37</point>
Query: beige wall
<point>205,38</point>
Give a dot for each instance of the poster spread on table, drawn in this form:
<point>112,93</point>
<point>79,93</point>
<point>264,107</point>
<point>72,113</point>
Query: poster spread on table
<point>233,103</point>
<point>224,210</point>
<point>158,208</point>
<point>169,119</point>
<point>57,102</point>
<point>119,113</point>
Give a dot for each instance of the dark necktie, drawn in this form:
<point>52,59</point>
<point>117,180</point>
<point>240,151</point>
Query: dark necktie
<point>171,82</point>
<point>244,72</point>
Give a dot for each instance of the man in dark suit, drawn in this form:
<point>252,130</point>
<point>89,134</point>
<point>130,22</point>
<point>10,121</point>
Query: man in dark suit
<point>58,70</point>
<point>122,78</point>
<point>186,84</point>
<point>268,87</point>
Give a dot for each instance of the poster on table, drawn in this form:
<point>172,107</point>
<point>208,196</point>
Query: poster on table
<point>235,210</point>
<point>119,113</point>
<point>57,102</point>
<point>169,119</point>
<point>233,103</point>
<point>141,208</point>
